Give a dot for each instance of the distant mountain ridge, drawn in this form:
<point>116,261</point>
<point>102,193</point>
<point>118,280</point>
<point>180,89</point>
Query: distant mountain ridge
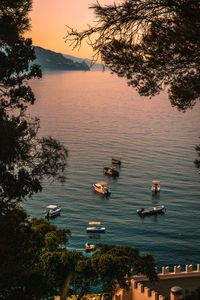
<point>53,61</point>
<point>93,66</point>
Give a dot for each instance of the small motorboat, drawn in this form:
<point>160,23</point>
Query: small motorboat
<point>101,187</point>
<point>95,227</point>
<point>155,188</point>
<point>110,171</point>
<point>116,161</point>
<point>52,211</point>
<point>151,211</point>
<point>89,247</point>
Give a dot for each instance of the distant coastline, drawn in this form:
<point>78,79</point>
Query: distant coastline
<point>53,61</point>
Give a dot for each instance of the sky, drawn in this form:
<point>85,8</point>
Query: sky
<point>50,17</point>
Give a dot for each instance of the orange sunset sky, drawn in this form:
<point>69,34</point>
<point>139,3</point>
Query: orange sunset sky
<point>50,17</point>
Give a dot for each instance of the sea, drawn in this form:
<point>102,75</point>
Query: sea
<point>97,116</point>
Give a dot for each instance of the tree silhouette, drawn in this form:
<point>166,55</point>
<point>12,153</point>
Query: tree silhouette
<point>24,243</point>
<point>154,44</point>
<point>25,159</point>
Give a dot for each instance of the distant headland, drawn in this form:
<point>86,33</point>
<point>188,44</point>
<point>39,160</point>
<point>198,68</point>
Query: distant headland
<point>53,61</point>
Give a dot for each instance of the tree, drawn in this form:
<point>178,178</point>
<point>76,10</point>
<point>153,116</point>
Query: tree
<point>25,159</point>
<point>84,278</point>
<point>154,44</point>
<point>106,267</point>
<point>70,273</point>
<point>116,264</point>
<point>24,243</point>
<point>195,295</point>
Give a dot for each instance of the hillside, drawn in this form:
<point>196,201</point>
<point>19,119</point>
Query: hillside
<point>53,61</point>
<point>93,66</point>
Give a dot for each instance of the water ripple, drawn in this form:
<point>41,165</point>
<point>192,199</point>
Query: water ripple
<point>97,116</point>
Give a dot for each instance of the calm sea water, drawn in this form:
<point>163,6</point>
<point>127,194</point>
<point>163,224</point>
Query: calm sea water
<point>97,116</point>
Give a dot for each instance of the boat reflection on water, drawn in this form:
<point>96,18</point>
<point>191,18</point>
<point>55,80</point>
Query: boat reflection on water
<point>155,197</point>
<point>94,235</point>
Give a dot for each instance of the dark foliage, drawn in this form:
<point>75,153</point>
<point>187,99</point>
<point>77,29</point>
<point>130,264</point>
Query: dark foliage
<point>23,244</point>
<point>125,261</point>
<point>154,44</point>
<point>195,295</point>
<point>24,158</point>
<point>108,267</point>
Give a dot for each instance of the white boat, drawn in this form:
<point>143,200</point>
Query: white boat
<point>95,227</point>
<point>101,187</point>
<point>151,211</point>
<point>89,247</point>
<point>155,188</point>
<point>52,211</point>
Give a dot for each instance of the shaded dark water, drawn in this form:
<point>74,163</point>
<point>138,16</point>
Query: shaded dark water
<point>97,116</point>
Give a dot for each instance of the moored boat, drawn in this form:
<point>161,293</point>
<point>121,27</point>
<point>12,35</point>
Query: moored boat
<point>95,227</point>
<point>116,161</point>
<point>155,188</point>
<point>110,171</point>
<point>52,211</point>
<point>89,247</point>
<point>101,187</point>
<point>151,211</point>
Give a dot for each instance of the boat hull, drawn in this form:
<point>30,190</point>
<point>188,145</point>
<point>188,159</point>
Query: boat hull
<point>96,229</point>
<point>155,190</point>
<point>151,211</point>
<point>100,190</point>
<point>53,214</point>
<point>89,247</point>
